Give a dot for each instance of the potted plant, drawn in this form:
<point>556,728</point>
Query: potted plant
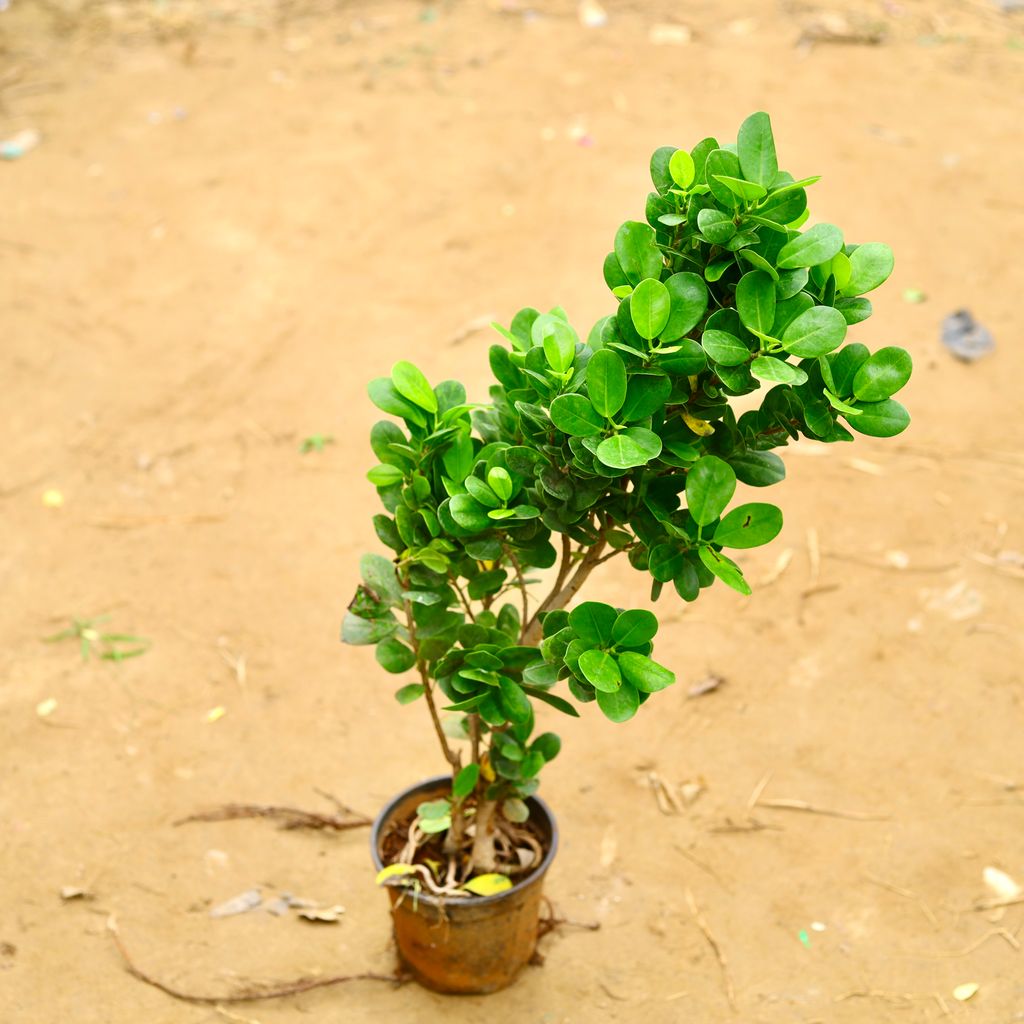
<point>625,445</point>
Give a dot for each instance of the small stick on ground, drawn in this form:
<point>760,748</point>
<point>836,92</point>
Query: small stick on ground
<point>244,995</point>
<point>290,817</point>
<point>715,947</point>
<point>1001,933</point>
<point>802,805</point>
<point>554,921</point>
<point>906,894</point>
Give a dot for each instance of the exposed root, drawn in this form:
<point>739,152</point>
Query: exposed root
<point>289,817</point>
<point>243,995</point>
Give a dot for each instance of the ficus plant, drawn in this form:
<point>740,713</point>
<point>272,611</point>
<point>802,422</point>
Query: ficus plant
<point>624,445</point>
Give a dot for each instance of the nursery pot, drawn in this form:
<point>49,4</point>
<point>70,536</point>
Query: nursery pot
<point>471,944</point>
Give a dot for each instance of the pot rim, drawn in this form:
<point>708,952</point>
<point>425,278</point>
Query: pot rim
<point>534,802</point>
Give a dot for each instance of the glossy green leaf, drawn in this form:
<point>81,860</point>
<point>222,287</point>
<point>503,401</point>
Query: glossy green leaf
<point>749,526</point>
<point>724,348</point>
<point>755,301</point>
<point>385,396</point>
<point>854,310</point>
<point>775,371</point>
<point>411,384</point>
<point>725,569</point>
<point>710,485</point>
<point>606,381</point>
<point>758,262</point>
<point>465,782</point>
<point>870,265</point>
<point>646,675</point>
<point>758,469</point>
<point>558,340</point>
<point>469,513</point>
<point>883,374</point>
<point>635,446</point>
<point>815,332</point>
<point>716,226</point>
<point>592,622</point>
<point>688,296</point>
<point>513,701</point>
<point>394,656</point>
<point>721,163</point>
<point>359,631</point>
<point>748,191</point>
<point>600,669</point>
<point>816,245</point>
<point>481,492</point>
<point>880,419</point>
<point>552,699</point>
<point>384,475</point>
<point>635,627</point>
<point>499,480</point>
<point>637,253</point>
<point>576,416</point>
<point>649,306</point>
<point>407,694</point>
<point>665,562</point>
<point>681,168</point>
<point>755,147</point>
<point>621,705</point>
<point>646,393</point>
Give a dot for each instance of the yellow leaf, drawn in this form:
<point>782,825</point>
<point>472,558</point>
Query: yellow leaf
<point>488,885</point>
<point>485,768</point>
<point>46,707</point>
<point>700,427</point>
<point>966,991</point>
<point>214,714</point>
<point>394,871</point>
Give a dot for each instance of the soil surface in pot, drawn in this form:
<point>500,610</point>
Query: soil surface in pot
<point>526,837</point>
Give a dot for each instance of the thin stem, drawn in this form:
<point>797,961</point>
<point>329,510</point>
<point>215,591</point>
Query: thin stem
<point>521,583</point>
<point>529,627</point>
<point>474,737</point>
<point>462,597</point>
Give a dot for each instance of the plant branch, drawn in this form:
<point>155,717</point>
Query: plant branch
<point>530,627</point>
<point>521,583</point>
<point>462,597</point>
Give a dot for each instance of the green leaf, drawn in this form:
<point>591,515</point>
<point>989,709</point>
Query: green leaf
<point>489,582</point>
<point>621,705</point>
<point>689,301</point>
<point>499,480</point>
<point>411,384</point>
<point>394,656</point>
<point>775,371</point>
<point>724,348</point>
<point>854,310</point>
<point>722,163</point>
<point>755,147</point>
<point>725,569</point>
<point>635,627</point>
<point>758,262</point>
<point>558,340</point>
<point>713,271</point>
<point>361,632</point>
<point>385,396</point>
<point>665,562</point>
<point>635,446</point>
<point>646,675</point>
<point>716,226</point>
<point>838,404</point>
<point>514,702</point>
<point>681,168</point>
<point>814,333</point>
<point>748,191</point>
<point>481,492</point>
<point>559,703</point>
<point>547,744</point>
<point>606,380</point>
<point>758,469</point>
<point>488,885</point>
<point>646,393</point>
<point>749,526</point>
<point>469,513</point>
<point>575,415</point>
<point>465,782</point>
<point>599,668</point>
<point>880,419</point>
<point>816,245</point>
<point>870,265</point>
<point>407,694</point>
<point>710,485</point>
<point>883,374</point>
<point>592,622</point>
<point>649,306</point>
<point>755,301</point>
<point>384,475</point>
<point>637,252</point>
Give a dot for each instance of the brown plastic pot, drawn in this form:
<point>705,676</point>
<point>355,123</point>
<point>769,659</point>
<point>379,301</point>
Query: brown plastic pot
<point>467,945</point>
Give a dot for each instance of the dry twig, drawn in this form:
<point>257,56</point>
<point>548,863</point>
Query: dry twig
<point>244,995</point>
<point>290,817</point>
<point>715,947</point>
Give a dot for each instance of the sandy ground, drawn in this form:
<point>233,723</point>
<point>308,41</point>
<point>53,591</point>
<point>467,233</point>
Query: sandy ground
<point>230,225</point>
